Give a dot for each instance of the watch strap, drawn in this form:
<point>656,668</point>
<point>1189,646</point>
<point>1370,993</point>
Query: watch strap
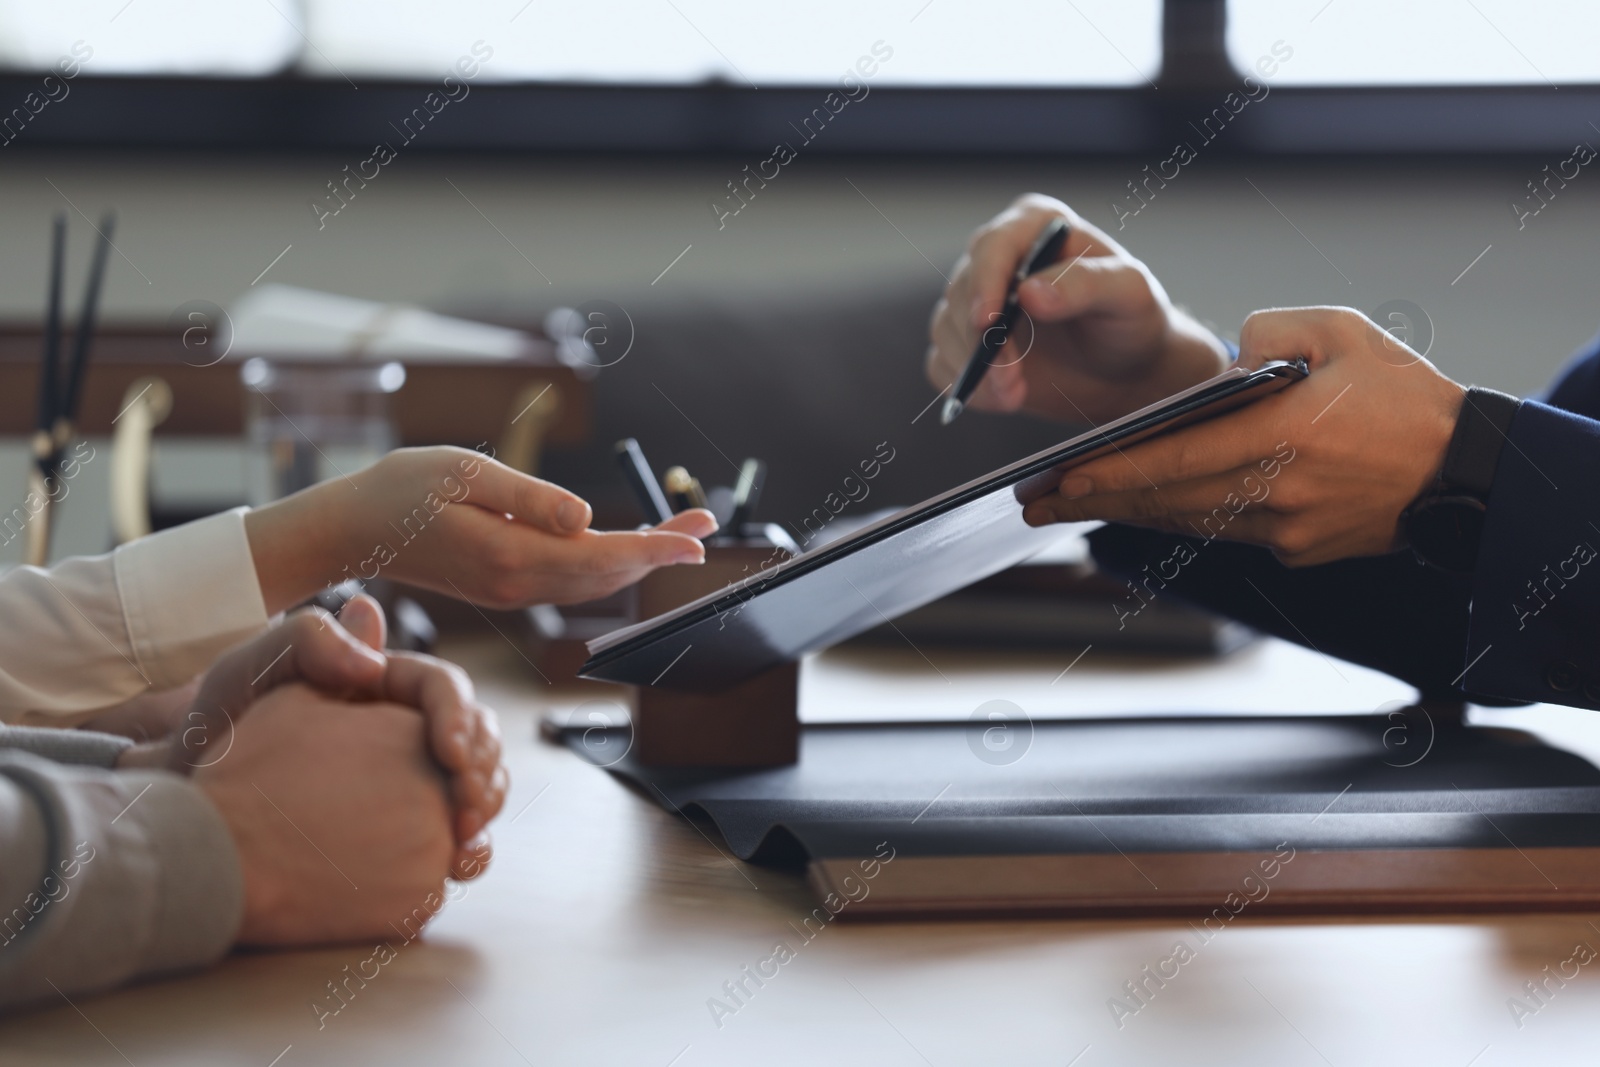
<point>1480,434</point>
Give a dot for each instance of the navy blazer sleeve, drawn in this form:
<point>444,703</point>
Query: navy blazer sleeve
<point>1524,627</point>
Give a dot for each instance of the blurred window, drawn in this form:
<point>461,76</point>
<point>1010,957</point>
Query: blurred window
<point>1420,42</point>
<point>742,42</point>
<point>235,38</point>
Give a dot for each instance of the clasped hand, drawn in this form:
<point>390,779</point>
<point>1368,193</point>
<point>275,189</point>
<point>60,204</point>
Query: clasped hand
<point>344,659</point>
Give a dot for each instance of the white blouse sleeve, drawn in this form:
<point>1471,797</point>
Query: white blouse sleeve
<point>94,631</point>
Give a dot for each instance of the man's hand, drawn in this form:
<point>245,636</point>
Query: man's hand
<point>340,818</point>
<point>1317,472</point>
<point>462,734</point>
<point>459,523</point>
<point>1098,337</point>
<point>343,659</point>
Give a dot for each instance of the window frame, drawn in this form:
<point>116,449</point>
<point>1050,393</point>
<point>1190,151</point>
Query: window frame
<point>294,112</point>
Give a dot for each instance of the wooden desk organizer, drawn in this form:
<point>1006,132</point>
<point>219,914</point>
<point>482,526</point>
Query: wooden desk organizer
<point>753,724</point>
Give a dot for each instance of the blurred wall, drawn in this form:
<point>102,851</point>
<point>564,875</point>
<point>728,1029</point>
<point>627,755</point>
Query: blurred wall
<point>507,234</point>
<point>512,237</point>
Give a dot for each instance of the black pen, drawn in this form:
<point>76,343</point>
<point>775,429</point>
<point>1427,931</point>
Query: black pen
<point>50,358</point>
<point>746,494</point>
<point>69,396</point>
<point>43,470</point>
<point>643,481</point>
<point>1045,251</point>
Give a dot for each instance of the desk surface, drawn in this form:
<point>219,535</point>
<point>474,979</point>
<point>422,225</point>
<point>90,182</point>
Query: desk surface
<point>605,925</point>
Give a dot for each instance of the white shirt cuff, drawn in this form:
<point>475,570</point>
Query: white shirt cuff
<point>189,594</point>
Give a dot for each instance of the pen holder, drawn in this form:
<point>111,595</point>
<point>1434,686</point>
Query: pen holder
<point>753,724</point>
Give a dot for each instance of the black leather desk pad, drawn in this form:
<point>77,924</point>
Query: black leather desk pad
<point>1136,786</point>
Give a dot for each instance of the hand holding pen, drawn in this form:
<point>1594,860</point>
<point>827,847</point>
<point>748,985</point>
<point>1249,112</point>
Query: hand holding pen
<point>1100,335</point>
<point>1046,248</point>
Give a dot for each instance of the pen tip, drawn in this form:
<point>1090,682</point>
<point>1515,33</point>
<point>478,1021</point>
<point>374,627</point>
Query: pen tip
<point>952,408</point>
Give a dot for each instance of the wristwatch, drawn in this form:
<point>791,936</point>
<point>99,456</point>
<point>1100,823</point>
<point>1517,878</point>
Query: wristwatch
<point>1445,524</point>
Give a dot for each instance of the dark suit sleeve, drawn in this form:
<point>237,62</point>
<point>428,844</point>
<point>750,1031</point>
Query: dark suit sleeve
<point>1385,612</point>
<point>1577,387</point>
<point>1525,627</point>
<point>1535,625</point>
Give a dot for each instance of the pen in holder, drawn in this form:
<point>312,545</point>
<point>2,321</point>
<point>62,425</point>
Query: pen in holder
<point>60,386</point>
<point>755,723</point>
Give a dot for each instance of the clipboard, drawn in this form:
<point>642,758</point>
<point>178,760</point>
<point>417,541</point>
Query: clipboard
<point>899,563</point>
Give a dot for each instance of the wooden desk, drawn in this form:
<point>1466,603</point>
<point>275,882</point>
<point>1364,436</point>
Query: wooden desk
<point>605,925</point>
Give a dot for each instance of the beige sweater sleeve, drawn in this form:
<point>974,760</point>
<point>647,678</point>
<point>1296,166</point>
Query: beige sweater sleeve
<point>105,876</point>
